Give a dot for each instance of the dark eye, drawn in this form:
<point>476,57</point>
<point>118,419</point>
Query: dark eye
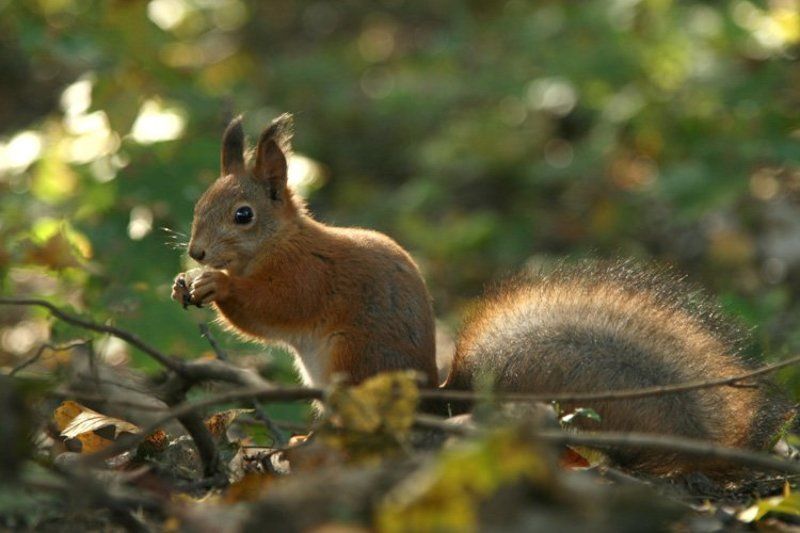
<point>243,215</point>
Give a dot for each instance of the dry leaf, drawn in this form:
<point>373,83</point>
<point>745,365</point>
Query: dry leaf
<point>384,402</point>
<point>250,488</point>
<point>447,495</point>
<point>582,458</point>
<point>78,421</point>
<point>371,419</point>
<point>219,423</point>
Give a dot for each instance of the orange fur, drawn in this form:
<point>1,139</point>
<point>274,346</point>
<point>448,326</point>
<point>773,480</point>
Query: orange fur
<point>351,302</point>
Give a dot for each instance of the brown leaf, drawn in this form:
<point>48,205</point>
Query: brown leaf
<point>250,488</point>
<point>79,422</point>
<point>56,253</point>
<point>154,443</point>
<point>219,423</point>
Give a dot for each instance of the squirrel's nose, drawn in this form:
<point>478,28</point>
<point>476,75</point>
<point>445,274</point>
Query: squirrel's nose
<point>196,254</point>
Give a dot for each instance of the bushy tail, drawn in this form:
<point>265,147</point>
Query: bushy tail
<point>596,327</point>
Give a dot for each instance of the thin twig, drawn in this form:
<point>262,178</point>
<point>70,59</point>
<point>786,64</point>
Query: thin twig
<point>195,372</point>
<point>626,394</point>
<point>127,442</point>
<point>101,398</point>
<point>663,443</point>
<point>206,333</point>
<point>47,346</point>
<point>205,371</point>
<point>128,337</point>
<point>220,371</point>
<point>278,435</point>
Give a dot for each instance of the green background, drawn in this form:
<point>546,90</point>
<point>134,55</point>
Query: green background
<point>482,136</point>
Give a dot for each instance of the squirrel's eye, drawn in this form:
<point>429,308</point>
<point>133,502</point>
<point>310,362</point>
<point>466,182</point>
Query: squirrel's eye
<point>243,215</point>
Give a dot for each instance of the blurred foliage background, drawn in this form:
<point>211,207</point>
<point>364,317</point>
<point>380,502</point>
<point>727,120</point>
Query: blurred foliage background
<point>483,136</point>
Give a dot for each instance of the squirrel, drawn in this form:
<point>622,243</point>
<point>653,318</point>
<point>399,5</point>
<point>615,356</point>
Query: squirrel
<point>352,303</point>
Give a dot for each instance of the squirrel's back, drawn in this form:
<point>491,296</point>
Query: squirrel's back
<point>604,327</point>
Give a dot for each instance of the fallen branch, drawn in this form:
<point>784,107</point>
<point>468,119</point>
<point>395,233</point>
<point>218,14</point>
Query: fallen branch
<point>198,371</point>
<point>663,443</point>
<point>190,373</point>
<point>127,442</point>
<point>626,394</point>
<point>185,376</point>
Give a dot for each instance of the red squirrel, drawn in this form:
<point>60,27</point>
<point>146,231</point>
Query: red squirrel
<point>351,302</point>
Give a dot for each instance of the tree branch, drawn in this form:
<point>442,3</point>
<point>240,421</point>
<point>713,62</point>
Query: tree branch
<point>190,373</point>
<point>662,443</point>
<point>278,435</point>
<point>270,394</point>
<point>167,361</point>
<point>626,394</point>
<point>45,346</point>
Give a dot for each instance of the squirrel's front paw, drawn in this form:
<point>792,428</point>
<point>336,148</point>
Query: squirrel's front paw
<point>210,286</point>
<point>181,288</point>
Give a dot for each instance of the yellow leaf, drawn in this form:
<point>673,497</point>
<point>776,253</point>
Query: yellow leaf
<point>77,421</point>
<point>383,402</point>
<point>448,495</point>
<point>369,420</point>
<point>788,504</point>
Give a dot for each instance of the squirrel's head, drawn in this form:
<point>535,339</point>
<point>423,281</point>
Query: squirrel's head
<point>244,211</point>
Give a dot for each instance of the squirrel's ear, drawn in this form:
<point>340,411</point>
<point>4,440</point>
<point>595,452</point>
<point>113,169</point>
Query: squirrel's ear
<point>274,148</point>
<point>233,148</point>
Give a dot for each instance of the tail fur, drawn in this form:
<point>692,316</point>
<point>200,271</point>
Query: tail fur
<point>598,327</point>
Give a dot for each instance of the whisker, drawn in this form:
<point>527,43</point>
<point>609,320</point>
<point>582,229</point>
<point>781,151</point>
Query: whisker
<point>175,239</point>
<point>172,231</point>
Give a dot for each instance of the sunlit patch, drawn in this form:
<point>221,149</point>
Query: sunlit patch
<point>77,97</point>
<point>772,29</point>
<point>22,150</point>
<point>624,104</point>
<point>141,222</point>
<point>92,139</point>
<point>304,174</point>
<point>23,336</point>
<point>157,123</point>
<point>555,95</point>
<point>113,351</point>
<point>167,14</point>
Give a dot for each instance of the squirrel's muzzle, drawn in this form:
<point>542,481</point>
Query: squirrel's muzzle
<point>197,254</point>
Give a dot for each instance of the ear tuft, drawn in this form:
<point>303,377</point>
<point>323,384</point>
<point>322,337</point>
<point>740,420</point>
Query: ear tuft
<point>280,132</point>
<point>233,147</point>
<point>272,153</point>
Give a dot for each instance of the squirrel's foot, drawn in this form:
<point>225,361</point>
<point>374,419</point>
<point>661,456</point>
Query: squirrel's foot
<point>210,286</point>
